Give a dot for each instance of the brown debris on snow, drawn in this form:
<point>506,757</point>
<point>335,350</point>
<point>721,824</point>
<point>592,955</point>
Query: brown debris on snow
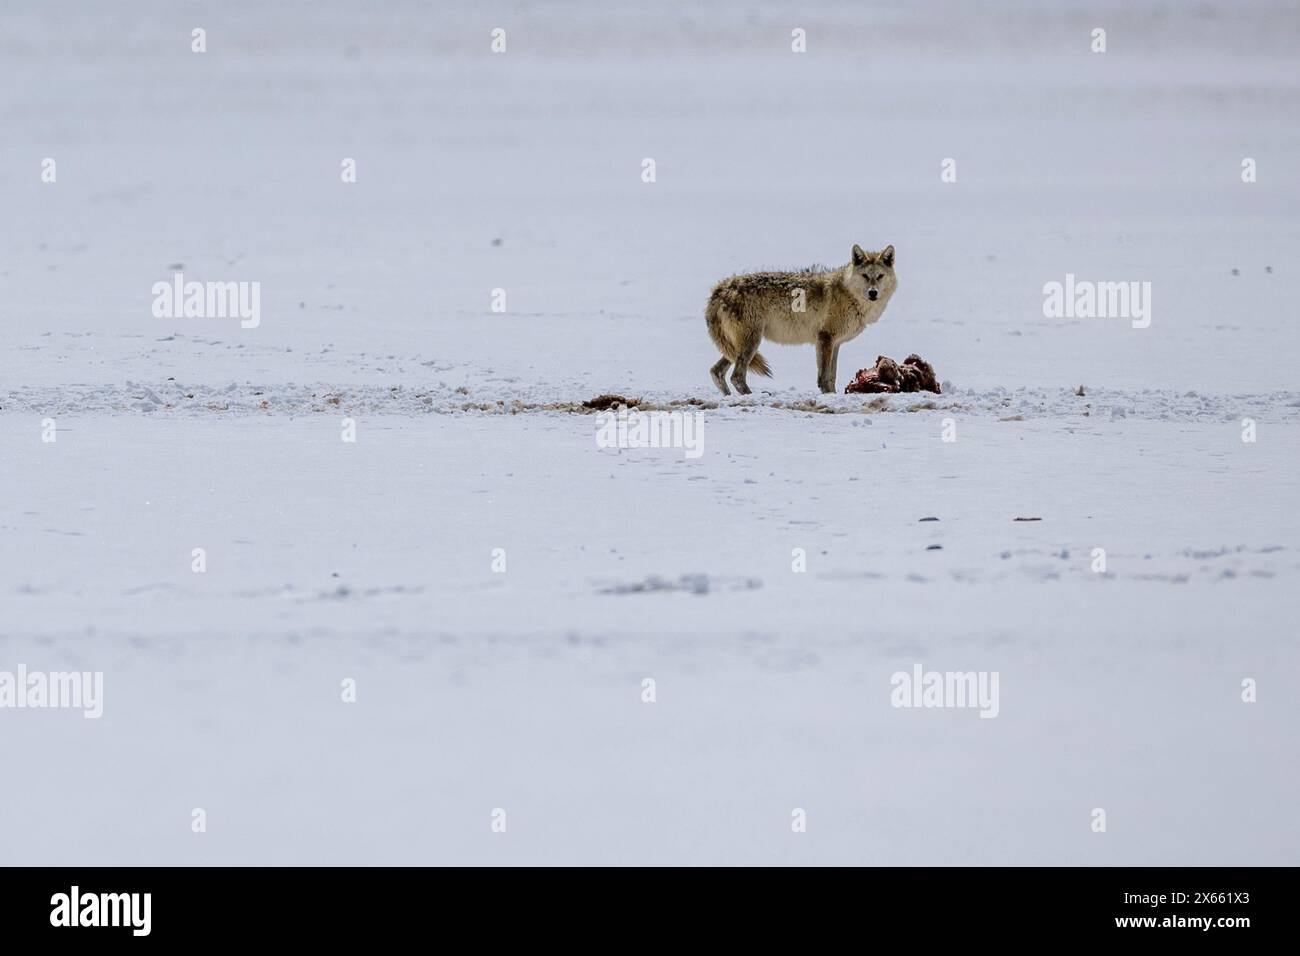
<point>602,402</point>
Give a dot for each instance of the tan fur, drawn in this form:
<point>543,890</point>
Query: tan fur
<point>745,309</point>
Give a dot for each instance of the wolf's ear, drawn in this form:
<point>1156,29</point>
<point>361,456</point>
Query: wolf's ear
<point>859,256</point>
<point>887,257</point>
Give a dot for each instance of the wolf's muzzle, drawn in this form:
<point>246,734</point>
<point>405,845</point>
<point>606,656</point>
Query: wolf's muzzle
<point>872,294</point>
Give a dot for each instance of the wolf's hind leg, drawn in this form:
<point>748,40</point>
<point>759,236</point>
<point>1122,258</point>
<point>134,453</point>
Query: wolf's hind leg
<point>719,373</point>
<point>748,345</point>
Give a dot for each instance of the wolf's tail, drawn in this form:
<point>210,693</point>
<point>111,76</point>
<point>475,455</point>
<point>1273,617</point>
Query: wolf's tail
<point>716,316</point>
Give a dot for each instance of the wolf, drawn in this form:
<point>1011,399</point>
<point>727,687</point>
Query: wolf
<point>816,306</point>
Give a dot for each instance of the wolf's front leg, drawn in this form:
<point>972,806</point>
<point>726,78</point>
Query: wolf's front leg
<point>825,362</point>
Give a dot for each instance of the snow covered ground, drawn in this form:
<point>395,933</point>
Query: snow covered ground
<point>373,561</point>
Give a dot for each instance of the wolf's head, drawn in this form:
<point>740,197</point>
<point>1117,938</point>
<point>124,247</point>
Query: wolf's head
<point>873,272</point>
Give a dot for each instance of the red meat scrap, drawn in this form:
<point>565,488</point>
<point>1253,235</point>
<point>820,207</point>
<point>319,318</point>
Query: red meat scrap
<point>915,374</point>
